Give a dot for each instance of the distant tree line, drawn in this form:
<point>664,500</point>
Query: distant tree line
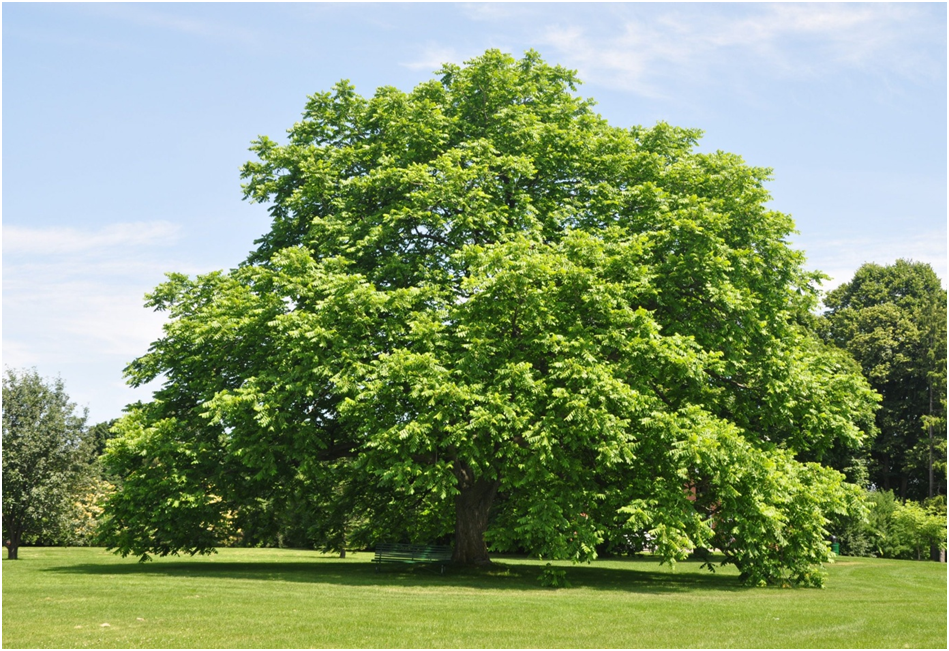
<point>892,320</point>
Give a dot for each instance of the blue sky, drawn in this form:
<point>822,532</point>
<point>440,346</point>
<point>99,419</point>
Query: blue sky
<point>125,126</point>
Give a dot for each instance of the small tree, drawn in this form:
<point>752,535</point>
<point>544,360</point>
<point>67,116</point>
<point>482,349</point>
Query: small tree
<point>44,457</point>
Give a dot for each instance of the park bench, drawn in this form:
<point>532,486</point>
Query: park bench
<point>412,554</point>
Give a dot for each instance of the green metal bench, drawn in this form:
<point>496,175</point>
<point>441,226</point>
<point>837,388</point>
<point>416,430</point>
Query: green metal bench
<point>411,554</point>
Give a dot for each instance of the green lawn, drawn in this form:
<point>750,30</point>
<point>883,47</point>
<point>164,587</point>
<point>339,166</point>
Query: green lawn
<point>56,597</point>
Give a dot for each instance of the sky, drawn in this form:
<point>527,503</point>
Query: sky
<point>125,126</point>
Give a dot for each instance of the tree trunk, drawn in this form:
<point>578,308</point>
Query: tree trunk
<point>931,478</point>
<point>472,508</point>
<point>13,545</point>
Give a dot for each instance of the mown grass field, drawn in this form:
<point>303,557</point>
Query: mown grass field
<point>56,597</point>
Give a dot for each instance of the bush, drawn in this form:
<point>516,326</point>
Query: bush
<point>895,529</point>
<point>553,578</point>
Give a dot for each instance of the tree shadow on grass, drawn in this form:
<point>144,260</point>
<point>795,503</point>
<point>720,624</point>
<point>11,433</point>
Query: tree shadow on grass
<point>509,574</point>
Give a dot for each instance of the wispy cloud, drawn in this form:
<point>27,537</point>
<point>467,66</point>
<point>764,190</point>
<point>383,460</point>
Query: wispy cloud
<point>640,50</point>
<point>494,11</point>
<point>73,303</point>
<point>168,19</point>
<point>78,321</point>
<point>17,354</point>
<point>58,240</point>
<point>432,57</point>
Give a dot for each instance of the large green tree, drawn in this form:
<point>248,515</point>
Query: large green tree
<point>892,319</point>
<point>484,314</point>
<point>45,458</point>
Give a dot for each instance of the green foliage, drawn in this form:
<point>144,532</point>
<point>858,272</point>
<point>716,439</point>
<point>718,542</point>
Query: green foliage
<point>483,312</point>
<point>890,528</point>
<point>100,434</point>
<point>919,529</point>
<point>45,459</point>
<point>892,319</point>
<point>91,492</point>
<point>88,499</point>
<point>851,529</point>
<point>905,529</point>
<point>551,577</point>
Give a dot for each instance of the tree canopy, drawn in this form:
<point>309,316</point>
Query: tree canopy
<point>45,457</point>
<point>892,319</point>
<point>484,314</point>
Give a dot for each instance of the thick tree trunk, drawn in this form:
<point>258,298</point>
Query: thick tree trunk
<point>472,508</point>
<point>13,546</point>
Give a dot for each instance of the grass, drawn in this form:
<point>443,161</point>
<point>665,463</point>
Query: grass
<point>265,598</point>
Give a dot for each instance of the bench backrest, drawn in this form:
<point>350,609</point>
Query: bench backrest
<point>403,551</point>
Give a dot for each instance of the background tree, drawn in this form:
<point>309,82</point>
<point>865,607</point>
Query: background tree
<point>44,457</point>
<point>484,315</point>
<point>892,319</point>
<point>93,489</point>
<point>99,435</point>
<point>906,530</point>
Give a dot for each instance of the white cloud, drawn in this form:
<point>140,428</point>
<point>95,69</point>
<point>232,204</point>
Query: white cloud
<point>639,50</point>
<point>69,320</point>
<point>432,57</point>
<point>73,303</point>
<point>493,11</point>
<point>59,240</point>
<point>17,354</point>
<point>75,295</point>
<point>620,61</point>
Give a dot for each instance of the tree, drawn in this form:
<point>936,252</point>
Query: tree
<point>44,457</point>
<point>99,435</point>
<point>482,314</point>
<point>892,319</point>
